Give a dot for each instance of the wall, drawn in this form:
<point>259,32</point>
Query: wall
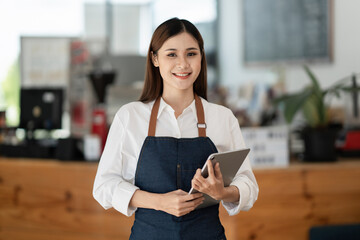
<point>131,27</point>
<point>346,49</point>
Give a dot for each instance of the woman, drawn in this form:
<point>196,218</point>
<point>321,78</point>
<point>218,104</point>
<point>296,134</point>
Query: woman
<point>156,146</point>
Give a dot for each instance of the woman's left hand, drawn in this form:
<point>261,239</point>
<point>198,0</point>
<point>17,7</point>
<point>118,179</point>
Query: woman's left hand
<point>213,185</point>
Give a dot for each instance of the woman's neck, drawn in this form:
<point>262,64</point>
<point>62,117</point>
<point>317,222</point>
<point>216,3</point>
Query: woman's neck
<point>178,100</point>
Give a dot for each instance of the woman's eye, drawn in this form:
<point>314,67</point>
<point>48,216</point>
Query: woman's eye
<point>171,55</point>
<point>191,54</point>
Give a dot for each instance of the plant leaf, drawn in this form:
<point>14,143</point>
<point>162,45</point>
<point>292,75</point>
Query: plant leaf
<point>350,89</point>
<point>293,103</point>
<point>319,95</point>
<point>310,111</point>
<point>312,114</point>
<point>313,79</point>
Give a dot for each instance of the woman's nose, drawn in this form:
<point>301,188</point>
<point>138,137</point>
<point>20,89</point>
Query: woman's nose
<point>183,62</point>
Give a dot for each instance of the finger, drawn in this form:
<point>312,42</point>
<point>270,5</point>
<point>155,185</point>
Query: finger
<point>193,196</point>
<point>193,204</point>
<point>218,173</point>
<point>198,203</point>
<point>197,182</point>
<point>186,211</point>
<point>196,187</point>
<point>202,186</point>
<point>210,168</point>
<point>198,175</point>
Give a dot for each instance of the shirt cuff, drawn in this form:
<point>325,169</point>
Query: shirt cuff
<point>122,196</point>
<point>234,208</point>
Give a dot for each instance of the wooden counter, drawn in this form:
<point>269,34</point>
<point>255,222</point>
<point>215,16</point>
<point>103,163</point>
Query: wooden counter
<point>52,200</point>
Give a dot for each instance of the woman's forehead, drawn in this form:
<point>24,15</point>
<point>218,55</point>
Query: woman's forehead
<point>182,41</point>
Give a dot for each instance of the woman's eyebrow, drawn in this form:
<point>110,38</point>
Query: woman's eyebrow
<point>193,48</point>
<point>188,49</point>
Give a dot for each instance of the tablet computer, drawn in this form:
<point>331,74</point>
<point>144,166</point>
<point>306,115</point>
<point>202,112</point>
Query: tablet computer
<point>230,162</point>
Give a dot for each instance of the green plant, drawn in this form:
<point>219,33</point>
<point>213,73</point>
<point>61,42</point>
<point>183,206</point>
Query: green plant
<point>311,100</point>
<point>11,90</point>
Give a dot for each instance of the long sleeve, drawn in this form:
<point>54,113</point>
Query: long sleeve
<point>110,188</point>
<point>244,180</point>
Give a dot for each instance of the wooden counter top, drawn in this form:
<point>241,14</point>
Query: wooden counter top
<point>50,199</point>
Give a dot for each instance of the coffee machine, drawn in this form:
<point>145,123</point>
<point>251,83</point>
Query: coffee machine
<point>100,80</point>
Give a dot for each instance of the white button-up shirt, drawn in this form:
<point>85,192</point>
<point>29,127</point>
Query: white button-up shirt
<point>115,177</point>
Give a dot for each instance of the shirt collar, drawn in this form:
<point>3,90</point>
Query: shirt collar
<point>164,106</point>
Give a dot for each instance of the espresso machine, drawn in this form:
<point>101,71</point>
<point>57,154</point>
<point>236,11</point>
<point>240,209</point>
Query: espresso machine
<point>100,80</point>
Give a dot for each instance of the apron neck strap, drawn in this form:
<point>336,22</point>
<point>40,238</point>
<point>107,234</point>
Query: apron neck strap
<point>199,112</point>
<point>153,117</point>
<point>200,116</point>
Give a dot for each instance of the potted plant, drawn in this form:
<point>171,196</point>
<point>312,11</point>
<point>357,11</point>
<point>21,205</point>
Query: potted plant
<point>318,133</point>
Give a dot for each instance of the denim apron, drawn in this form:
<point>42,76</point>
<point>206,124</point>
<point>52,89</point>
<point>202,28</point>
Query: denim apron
<point>166,164</point>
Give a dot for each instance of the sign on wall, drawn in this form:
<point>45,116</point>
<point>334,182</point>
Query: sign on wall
<point>45,61</point>
<point>287,30</point>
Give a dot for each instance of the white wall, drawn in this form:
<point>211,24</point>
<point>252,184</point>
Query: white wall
<point>131,27</point>
<point>346,49</point>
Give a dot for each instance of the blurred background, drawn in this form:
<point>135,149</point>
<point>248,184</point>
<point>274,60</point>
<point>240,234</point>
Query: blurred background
<point>289,71</point>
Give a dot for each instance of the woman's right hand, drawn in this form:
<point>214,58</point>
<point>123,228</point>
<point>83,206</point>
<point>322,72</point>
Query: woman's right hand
<point>179,202</point>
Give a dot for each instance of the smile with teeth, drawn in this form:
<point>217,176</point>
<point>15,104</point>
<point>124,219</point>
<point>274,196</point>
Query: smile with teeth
<point>181,74</point>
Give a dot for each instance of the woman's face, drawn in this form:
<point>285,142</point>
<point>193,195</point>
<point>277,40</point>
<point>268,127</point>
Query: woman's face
<point>179,62</point>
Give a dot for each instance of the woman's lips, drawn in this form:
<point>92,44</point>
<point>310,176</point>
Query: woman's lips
<point>182,75</point>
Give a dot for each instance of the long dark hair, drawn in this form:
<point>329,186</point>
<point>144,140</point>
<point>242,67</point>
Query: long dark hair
<point>153,86</point>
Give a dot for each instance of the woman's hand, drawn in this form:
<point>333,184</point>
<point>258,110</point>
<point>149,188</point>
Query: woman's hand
<point>179,203</point>
<point>213,185</point>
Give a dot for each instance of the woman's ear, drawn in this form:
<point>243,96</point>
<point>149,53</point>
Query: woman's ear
<point>154,59</point>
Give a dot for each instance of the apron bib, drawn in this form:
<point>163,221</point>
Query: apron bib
<point>166,164</point>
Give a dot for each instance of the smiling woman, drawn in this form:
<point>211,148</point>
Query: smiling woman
<point>175,53</point>
<point>156,144</point>
<point>179,61</point>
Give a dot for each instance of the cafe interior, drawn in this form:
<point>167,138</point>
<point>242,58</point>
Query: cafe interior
<point>288,70</point>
